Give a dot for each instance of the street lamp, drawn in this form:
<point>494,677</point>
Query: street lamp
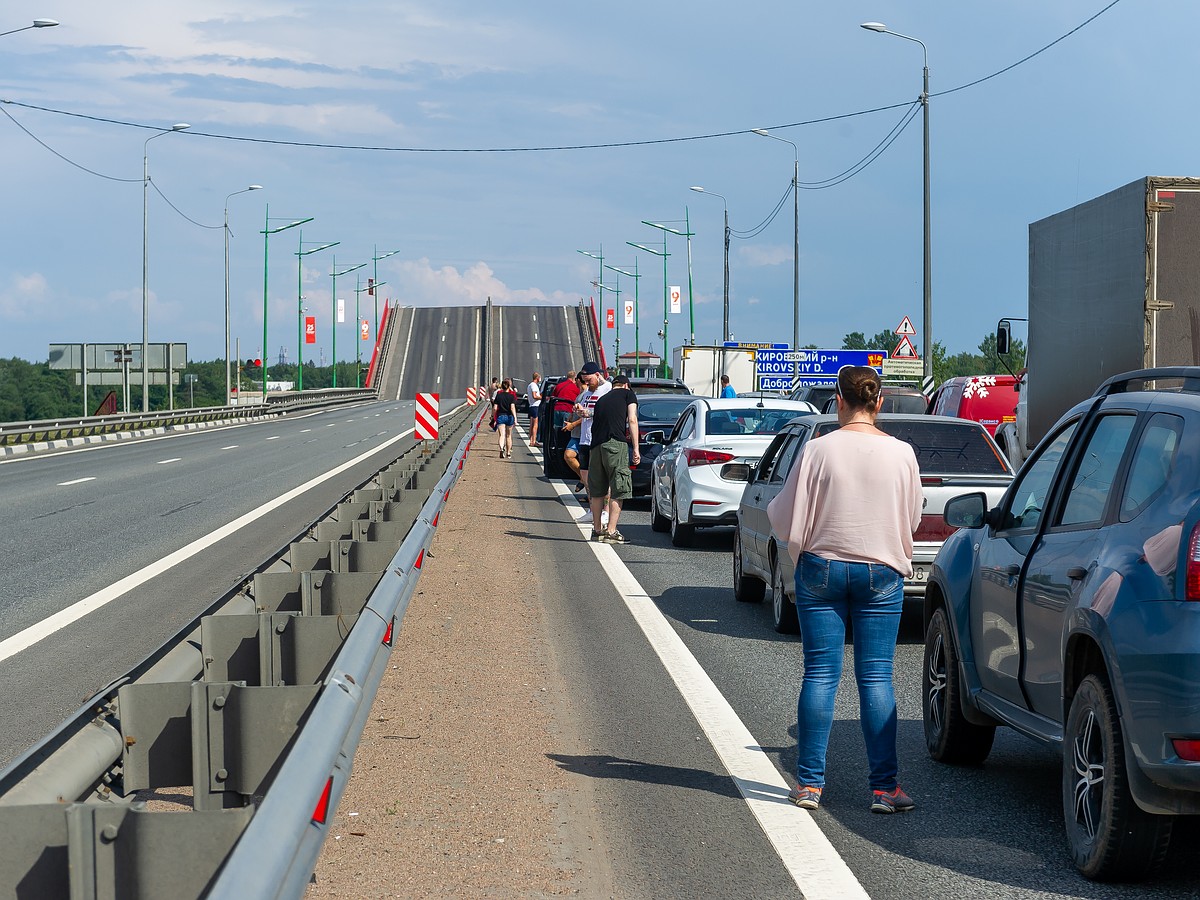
<point>927,294</point>
<point>637,319</point>
<point>375,258</point>
<point>253,187</point>
<point>335,274</point>
<point>37,23</point>
<point>725,203</point>
<point>145,293</point>
<point>599,282</point>
<point>602,287</point>
<point>359,321</point>
<point>796,244</point>
<point>688,234</point>
<point>300,254</point>
<point>266,233</point>
<point>664,254</point>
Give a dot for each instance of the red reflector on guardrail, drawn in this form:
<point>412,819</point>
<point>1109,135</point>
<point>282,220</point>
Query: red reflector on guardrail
<point>437,515</point>
<point>322,809</point>
<point>387,635</point>
<point>420,559</point>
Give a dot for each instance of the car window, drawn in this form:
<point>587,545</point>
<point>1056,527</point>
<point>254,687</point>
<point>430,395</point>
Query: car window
<point>1152,462</point>
<point>748,420</point>
<point>903,402</point>
<point>685,426</point>
<point>1095,470</point>
<point>1027,498</point>
<point>661,407</point>
<point>941,447</point>
<point>768,458</point>
<point>783,463</point>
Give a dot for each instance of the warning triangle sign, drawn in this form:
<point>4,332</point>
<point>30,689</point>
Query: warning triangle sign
<point>905,327</point>
<point>904,349</point>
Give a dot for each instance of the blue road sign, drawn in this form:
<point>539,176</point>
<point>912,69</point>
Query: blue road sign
<point>825,363</point>
<point>775,382</point>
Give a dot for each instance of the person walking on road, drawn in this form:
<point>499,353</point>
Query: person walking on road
<point>848,512</point>
<point>727,390</point>
<point>533,395</point>
<point>614,426</point>
<point>504,406</point>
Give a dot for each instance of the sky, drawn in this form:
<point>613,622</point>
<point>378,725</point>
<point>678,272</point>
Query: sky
<point>434,106</point>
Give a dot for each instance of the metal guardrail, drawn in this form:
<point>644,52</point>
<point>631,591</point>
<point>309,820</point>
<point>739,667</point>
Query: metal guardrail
<point>258,710</point>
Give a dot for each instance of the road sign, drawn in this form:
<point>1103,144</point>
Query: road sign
<point>771,362</point>
<point>775,382</point>
<point>814,363</point>
<point>905,327</point>
<point>426,427</point>
<point>903,367</point>
<point>472,397</point>
<point>904,349</point>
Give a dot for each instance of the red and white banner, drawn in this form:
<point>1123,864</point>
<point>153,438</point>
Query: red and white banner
<point>341,310</point>
<point>472,397</point>
<point>628,313</point>
<point>426,427</point>
<point>365,326</point>
<point>310,329</point>
<point>676,298</point>
<point>610,318</point>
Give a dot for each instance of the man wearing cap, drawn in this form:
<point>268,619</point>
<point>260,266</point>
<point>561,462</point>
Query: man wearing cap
<point>613,417</point>
<point>595,387</point>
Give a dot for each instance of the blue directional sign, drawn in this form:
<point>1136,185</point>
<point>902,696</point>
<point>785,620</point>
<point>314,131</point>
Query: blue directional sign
<point>808,366</point>
<point>775,382</point>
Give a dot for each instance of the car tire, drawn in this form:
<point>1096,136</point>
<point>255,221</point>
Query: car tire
<point>1110,837</point>
<point>658,522</point>
<point>681,534</point>
<point>783,610</point>
<point>746,588</point>
<point>949,737</point>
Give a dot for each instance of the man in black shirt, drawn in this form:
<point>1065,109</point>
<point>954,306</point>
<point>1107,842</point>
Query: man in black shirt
<point>614,417</point>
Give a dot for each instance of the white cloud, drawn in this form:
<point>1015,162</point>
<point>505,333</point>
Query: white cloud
<point>765,255</point>
<point>420,284</point>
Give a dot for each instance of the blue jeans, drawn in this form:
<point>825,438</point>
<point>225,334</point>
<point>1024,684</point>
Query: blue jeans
<point>828,594</point>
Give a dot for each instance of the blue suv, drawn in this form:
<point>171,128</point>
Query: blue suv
<point>1071,612</point>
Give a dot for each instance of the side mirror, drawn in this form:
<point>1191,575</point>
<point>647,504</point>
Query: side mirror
<point>1003,337</point>
<point>737,472</point>
<point>966,510</point>
<point>654,437</point>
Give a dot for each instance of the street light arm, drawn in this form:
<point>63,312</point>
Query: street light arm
<point>37,23</point>
<point>880,28</point>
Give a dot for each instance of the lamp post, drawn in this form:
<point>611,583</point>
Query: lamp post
<point>335,273</point>
<point>688,235</point>
<point>37,23</point>
<point>253,187</point>
<point>266,233</point>
<point>637,319</point>
<point>358,324</point>
<point>145,292</point>
<point>664,254</point>
<point>927,286</point>
<point>375,258</point>
<point>300,254</point>
<point>796,244</point>
<point>602,287</point>
<point>725,203</point>
<point>599,282</point>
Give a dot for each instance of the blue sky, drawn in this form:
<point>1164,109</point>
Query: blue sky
<point>1107,105</point>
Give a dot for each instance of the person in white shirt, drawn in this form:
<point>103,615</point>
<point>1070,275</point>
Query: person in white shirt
<point>595,387</point>
<point>533,394</point>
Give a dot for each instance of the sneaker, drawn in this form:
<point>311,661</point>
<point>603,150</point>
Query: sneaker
<point>805,796</point>
<point>599,537</point>
<point>613,537</point>
<point>893,801</point>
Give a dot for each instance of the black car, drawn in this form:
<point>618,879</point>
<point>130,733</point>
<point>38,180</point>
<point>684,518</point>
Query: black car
<point>643,386</point>
<point>657,415</point>
<point>816,394</point>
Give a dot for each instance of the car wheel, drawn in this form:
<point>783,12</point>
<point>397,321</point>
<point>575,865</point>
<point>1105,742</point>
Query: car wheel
<point>681,534</point>
<point>1111,839</point>
<point>658,522</point>
<point>784,609</point>
<point>948,735</point>
<point>746,588</point>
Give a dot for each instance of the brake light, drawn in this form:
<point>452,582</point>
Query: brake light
<point>933,529</point>
<point>1193,566</point>
<point>698,457</point>
<point>1187,748</point>
<point>932,481</point>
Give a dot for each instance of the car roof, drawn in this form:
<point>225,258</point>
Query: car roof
<point>717,403</point>
<point>824,418</point>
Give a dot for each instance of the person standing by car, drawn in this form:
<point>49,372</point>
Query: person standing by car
<point>504,405</point>
<point>595,387</point>
<point>727,390</point>
<point>533,394</point>
<point>614,426</point>
<point>848,512</point>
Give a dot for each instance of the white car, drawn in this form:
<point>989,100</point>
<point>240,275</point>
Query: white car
<point>698,478</point>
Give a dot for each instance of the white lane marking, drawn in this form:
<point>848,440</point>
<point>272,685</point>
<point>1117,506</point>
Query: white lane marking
<point>331,425</point>
<point>811,860</point>
<point>77,481</point>
<point>305,430</point>
<point>275,437</point>
<point>23,640</point>
<point>230,447</point>
<point>163,462</point>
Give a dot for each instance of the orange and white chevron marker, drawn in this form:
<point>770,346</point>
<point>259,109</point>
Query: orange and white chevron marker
<point>472,397</point>
<point>426,426</point>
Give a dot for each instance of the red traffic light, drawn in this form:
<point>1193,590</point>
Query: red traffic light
<point>258,362</point>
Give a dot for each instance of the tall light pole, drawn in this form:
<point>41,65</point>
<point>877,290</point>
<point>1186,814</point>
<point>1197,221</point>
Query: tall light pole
<point>145,240</point>
<point>335,273</point>
<point>927,293</point>
<point>602,287</point>
<point>37,23</point>
<point>599,282</point>
<point>637,319</point>
<point>795,245</point>
<point>266,233</point>
<point>358,324</point>
<point>300,254</point>
<point>375,258</point>
<point>688,235</point>
<point>253,187</point>
<point>725,203</point>
<point>664,254</point>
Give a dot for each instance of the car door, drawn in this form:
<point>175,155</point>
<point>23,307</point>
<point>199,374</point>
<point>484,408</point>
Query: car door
<point>1003,552</point>
<point>1065,554</point>
<point>668,460</point>
<point>769,478</point>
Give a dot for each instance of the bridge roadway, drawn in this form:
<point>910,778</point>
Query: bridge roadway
<point>546,731</point>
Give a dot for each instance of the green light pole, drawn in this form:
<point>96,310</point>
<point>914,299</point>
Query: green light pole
<point>637,339</point>
<point>375,258</point>
<point>688,234</point>
<point>358,320</point>
<point>228,385</point>
<point>334,305</point>
<point>666,299</point>
<point>266,233</point>
<point>616,322</point>
<point>599,282</point>
<point>300,254</point>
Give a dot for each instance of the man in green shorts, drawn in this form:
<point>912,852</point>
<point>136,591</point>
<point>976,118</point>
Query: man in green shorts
<point>613,417</point>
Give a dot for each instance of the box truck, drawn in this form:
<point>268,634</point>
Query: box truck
<point>701,368</point>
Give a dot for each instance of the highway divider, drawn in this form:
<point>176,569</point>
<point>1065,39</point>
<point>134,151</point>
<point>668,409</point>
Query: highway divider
<point>255,711</point>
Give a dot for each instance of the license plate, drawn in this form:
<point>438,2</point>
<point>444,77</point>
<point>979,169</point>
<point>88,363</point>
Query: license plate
<point>920,575</point>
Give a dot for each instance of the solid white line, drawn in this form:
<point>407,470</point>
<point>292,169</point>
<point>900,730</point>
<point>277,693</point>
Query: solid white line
<point>811,860</point>
<point>230,447</point>
<point>305,430</point>
<point>273,437</point>
<point>23,640</point>
<point>163,462</point>
<point>77,481</point>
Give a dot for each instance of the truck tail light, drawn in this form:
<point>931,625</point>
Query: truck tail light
<point>933,529</point>
<point>697,457</point>
<point>1193,566</point>
<point>1187,748</point>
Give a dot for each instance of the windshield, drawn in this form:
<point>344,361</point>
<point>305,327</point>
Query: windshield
<point>749,420</point>
<point>942,448</point>
<point>662,407</point>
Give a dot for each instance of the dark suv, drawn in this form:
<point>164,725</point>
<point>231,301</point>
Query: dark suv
<point>1071,612</point>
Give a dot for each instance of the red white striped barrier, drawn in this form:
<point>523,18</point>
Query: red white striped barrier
<point>472,397</point>
<point>426,427</point>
